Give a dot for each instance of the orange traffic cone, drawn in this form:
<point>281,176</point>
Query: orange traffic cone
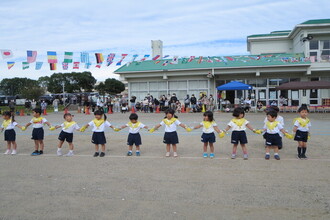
<point>45,112</point>
<point>87,111</point>
<point>21,113</point>
<point>110,111</point>
<point>183,110</point>
<point>133,110</point>
<point>157,109</point>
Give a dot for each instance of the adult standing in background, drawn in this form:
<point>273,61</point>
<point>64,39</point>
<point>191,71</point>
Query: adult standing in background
<point>11,106</point>
<point>173,101</point>
<point>211,103</point>
<point>43,106</point>
<point>187,102</point>
<point>132,101</point>
<point>193,102</point>
<point>55,105</point>
<point>33,104</point>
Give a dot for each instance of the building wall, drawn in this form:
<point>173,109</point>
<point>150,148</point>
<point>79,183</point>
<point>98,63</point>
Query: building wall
<point>270,46</point>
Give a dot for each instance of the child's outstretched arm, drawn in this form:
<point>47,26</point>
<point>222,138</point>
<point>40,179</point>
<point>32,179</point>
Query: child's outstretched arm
<point>197,126</point>
<point>216,128</point>
<point>83,128</point>
<point>124,126</point>
<point>185,127</point>
<point>26,126</point>
<point>295,128</point>
<point>58,126</point>
<point>146,127</point>
<point>52,128</point>
<point>286,134</point>
<point>114,128</point>
<point>227,128</point>
<point>154,128</point>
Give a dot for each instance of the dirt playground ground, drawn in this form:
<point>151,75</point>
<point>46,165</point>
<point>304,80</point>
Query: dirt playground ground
<point>154,187</point>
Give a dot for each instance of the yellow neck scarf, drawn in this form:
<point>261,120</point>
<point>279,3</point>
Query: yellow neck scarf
<point>239,122</point>
<point>98,123</point>
<point>303,122</point>
<point>136,125</point>
<point>5,123</point>
<point>207,124</point>
<point>69,124</point>
<point>37,120</point>
<point>169,122</point>
<point>272,125</point>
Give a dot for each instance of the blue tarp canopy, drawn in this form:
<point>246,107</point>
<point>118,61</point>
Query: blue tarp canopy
<point>234,85</point>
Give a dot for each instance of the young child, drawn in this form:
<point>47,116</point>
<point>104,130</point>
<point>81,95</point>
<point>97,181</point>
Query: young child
<point>66,134</point>
<point>239,124</point>
<point>99,126</point>
<point>301,127</point>
<point>134,136</point>
<point>208,137</point>
<point>273,139</point>
<point>170,137</point>
<point>280,119</point>
<point>8,126</point>
<point>38,131</point>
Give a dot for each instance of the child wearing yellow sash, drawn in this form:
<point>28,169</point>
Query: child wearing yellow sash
<point>239,124</point>
<point>8,126</point>
<point>134,136</point>
<point>66,134</point>
<point>99,126</point>
<point>208,137</point>
<point>170,137</point>
<point>301,127</point>
<point>38,131</point>
<point>273,139</point>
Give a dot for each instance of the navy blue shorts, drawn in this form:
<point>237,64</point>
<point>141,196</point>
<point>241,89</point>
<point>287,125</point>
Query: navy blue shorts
<point>301,136</point>
<point>98,138</point>
<point>238,137</point>
<point>37,134</point>
<point>208,137</point>
<point>64,136</point>
<point>273,140</point>
<point>280,142</point>
<point>134,139</point>
<point>171,138</point>
<point>10,135</point>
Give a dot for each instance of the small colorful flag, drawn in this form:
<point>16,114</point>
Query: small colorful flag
<point>10,65</point>
<point>144,58</point>
<point>156,57</point>
<point>31,56</point>
<point>25,65</point>
<point>110,58</point>
<point>191,59</point>
<point>39,65</point>
<point>65,66</point>
<point>68,56</point>
<point>99,58</point>
<point>230,58</point>
<point>52,57</point>
<point>6,54</point>
<point>165,56</point>
<point>134,57</point>
<point>121,60</point>
<point>52,66</point>
<point>87,65</point>
<point>98,65</point>
<point>209,60</point>
<point>76,65</point>
<point>200,59</point>
<point>175,60</point>
<point>184,60</point>
<point>165,63</point>
<point>84,57</point>
<point>217,59</point>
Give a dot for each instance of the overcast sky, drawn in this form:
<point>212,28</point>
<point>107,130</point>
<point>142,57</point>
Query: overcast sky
<point>186,27</point>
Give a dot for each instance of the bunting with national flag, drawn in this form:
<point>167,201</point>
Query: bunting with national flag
<point>165,63</point>
<point>39,65</point>
<point>175,60</point>
<point>98,65</point>
<point>144,58</point>
<point>52,57</point>
<point>200,59</point>
<point>99,58</point>
<point>31,56</point>
<point>217,59</point>
<point>10,65</point>
<point>52,66</point>
<point>6,53</point>
<point>110,58</point>
<point>191,59</point>
<point>184,60</point>
<point>84,57</point>
<point>65,66</point>
<point>68,57</point>
<point>87,65</point>
<point>121,60</point>
<point>76,65</point>
<point>156,57</point>
<point>209,60</point>
<point>25,65</point>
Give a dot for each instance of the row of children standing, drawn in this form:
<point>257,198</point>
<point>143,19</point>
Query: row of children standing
<point>272,129</point>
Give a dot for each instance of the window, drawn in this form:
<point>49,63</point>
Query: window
<point>325,50</point>
<point>314,45</point>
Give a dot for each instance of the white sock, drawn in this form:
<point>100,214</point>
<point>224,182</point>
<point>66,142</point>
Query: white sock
<point>59,149</point>
<point>267,153</point>
<point>275,153</point>
<point>71,151</point>
<point>130,151</point>
<point>137,151</point>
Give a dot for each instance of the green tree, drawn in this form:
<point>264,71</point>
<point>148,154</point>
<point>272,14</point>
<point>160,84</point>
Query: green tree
<point>44,81</point>
<point>33,92</point>
<point>113,86</point>
<point>101,88</point>
<point>16,85</point>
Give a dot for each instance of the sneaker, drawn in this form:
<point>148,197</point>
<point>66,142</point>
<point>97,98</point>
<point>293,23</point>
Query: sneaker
<point>175,154</point>
<point>304,157</point>
<point>299,156</point>
<point>59,153</point>
<point>245,156</point>
<point>205,155</point>
<point>233,156</point>
<point>211,155</point>
<point>129,153</point>
<point>7,152</point>
<point>14,152</point>
<point>41,152</point>
<point>35,153</point>
<point>102,154</point>
<point>137,153</point>
<point>167,154</point>
<point>69,154</point>
<point>96,154</point>
<point>267,156</point>
<point>277,157</point>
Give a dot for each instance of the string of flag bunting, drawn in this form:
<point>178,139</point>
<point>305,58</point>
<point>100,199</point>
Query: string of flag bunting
<point>52,59</point>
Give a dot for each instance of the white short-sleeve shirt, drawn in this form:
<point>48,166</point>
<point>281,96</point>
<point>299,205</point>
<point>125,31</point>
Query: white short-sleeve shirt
<point>172,127</point>
<point>279,118</point>
<point>101,128</point>
<point>71,128</point>
<point>210,129</point>
<point>301,128</point>
<point>235,127</point>
<point>276,130</point>
<point>39,124</point>
<point>134,130</point>
<point>10,126</point>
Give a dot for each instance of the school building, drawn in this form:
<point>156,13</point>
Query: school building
<point>301,54</point>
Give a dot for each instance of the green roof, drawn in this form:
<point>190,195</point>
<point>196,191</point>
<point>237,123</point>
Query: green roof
<point>225,62</point>
<point>317,21</point>
<point>272,34</point>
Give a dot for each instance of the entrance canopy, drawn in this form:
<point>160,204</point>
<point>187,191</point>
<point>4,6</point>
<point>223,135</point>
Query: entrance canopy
<point>234,85</point>
<point>304,85</point>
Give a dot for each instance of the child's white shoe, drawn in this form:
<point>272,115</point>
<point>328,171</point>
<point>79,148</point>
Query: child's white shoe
<point>59,153</point>
<point>14,152</point>
<point>167,154</point>
<point>69,154</point>
<point>175,154</point>
<point>7,152</point>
